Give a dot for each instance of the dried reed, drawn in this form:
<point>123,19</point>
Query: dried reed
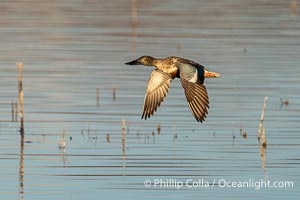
<point>20,86</point>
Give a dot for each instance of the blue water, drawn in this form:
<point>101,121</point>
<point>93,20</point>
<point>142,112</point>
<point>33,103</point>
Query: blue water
<point>71,48</point>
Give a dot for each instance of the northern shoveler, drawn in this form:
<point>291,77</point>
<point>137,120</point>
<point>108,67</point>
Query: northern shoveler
<point>192,77</point>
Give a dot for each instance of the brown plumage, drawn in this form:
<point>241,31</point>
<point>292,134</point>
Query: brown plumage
<point>192,77</point>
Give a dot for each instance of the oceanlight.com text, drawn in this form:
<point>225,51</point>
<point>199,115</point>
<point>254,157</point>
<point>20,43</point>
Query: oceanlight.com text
<point>220,183</point>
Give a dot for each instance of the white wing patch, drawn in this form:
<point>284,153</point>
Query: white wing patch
<point>188,72</point>
<point>195,77</point>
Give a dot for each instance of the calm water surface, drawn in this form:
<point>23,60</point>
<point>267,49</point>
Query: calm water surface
<point>71,48</point>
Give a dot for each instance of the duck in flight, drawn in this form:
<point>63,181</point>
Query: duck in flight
<point>191,75</point>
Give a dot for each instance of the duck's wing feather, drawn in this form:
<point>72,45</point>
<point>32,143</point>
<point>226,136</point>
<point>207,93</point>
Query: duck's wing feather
<point>157,90</point>
<point>196,94</point>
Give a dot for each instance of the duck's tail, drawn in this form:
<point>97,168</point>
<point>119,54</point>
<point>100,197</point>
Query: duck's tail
<point>209,74</point>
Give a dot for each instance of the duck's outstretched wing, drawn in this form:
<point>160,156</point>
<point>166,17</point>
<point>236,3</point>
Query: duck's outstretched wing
<point>192,79</point>
<point>157,90</point>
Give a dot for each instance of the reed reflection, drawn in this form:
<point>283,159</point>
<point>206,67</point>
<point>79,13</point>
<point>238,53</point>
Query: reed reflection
<point>21,168</point>
<point>262,150</point>
<point>63,156</point>
<point>123,144</point>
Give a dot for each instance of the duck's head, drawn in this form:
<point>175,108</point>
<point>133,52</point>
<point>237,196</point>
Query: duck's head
<point>144,60</point>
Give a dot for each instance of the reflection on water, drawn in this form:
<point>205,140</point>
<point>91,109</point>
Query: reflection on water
<point>63,156</point>
<point>262,150</point>
<point>21,168</point>
<point>73,54</point>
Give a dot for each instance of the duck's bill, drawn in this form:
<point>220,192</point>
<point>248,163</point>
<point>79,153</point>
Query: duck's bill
<point>134,62</point>
<point>209,74</point>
